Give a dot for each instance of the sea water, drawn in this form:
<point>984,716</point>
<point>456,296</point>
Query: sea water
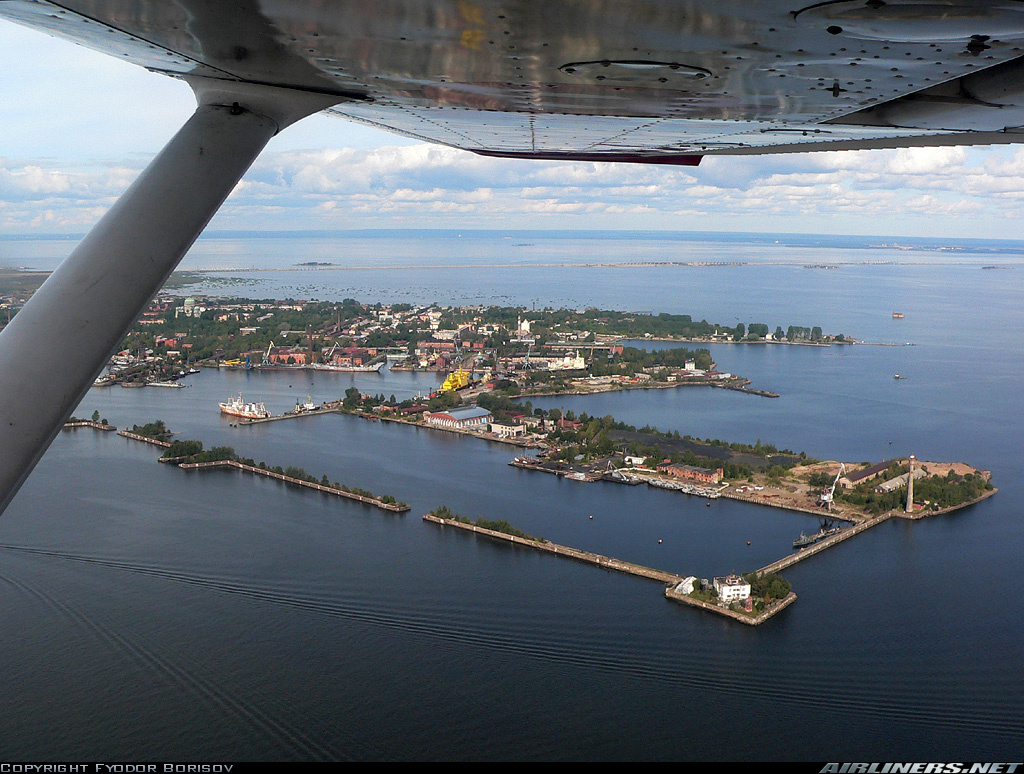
<point>153,613</point>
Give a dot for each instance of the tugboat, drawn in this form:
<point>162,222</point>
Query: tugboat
<point>236,407</point>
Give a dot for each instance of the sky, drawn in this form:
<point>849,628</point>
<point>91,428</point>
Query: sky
<point>77,126</point>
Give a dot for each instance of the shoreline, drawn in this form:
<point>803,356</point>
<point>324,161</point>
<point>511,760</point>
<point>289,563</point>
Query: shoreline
<point>601,389</point>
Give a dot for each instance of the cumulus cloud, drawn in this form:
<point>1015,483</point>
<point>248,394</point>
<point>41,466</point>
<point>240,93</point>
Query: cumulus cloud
<point>424,185</point>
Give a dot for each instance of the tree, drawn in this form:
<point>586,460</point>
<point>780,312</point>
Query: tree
<point>96,416</point>
<point>741,331</point>
<point>352,396</point>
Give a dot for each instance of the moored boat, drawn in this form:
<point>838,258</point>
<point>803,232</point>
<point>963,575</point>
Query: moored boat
<point>236,407</point>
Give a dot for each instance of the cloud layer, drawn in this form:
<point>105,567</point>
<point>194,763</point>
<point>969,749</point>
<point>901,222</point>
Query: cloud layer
<point>930,190</point>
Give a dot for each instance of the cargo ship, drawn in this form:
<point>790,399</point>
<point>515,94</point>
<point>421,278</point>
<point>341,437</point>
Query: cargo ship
<point>236,407</point>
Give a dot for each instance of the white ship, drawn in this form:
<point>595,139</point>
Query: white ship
<point>348,368</point>
<point>236,407</point>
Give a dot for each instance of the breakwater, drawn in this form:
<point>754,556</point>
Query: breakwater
<point>605,562</point>
<point>670,579</point>
<point>87,423</point>
<point>750,620</point>
<point>393,507</point>
<point>144,439</point>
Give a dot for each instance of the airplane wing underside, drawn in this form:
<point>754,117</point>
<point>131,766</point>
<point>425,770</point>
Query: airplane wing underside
<point>664,81</point>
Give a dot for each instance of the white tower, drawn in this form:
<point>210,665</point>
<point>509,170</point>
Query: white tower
<point>910,486</point>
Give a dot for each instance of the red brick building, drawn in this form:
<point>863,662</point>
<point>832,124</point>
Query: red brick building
<point>690,473</point>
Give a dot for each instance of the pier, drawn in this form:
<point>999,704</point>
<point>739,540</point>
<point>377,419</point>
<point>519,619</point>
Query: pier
<point>393,507</point>
<point>821,545</point>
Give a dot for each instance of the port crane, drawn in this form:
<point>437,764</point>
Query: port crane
<point>266,355</point>
<point>827,497</point>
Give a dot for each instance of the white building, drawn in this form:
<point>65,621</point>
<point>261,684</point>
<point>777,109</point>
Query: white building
<point>567,363</point>
<point>465,417</point>
<point>731,588</point>
<point>507,431</point>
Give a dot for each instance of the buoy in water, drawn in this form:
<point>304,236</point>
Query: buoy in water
<point>659,541</point>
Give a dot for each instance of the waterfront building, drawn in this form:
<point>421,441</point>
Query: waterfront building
<point>731,588</point>
<point>507,431</point>
<point>288,356</point>
<point>460,418</point>
<point>851,480</point>
<point>899,482</point>
<point>689,472</point>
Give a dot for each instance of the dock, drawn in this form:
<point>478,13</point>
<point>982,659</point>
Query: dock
<point>828,542</point>
<point>756,499</point>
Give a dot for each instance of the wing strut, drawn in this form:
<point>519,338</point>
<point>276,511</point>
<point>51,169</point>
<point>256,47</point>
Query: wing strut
<point>58,343</point>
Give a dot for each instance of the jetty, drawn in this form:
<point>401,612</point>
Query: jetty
<point>587,557</point>
<point>393,507</point>
<point>87,423</point>
<point>144,439</point>
<point>671,580</point>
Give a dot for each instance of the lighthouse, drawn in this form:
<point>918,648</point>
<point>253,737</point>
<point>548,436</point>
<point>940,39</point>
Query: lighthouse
<point>910,486</point>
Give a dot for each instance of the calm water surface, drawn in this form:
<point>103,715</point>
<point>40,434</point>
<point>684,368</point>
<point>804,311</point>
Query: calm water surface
<point>153,613</point>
